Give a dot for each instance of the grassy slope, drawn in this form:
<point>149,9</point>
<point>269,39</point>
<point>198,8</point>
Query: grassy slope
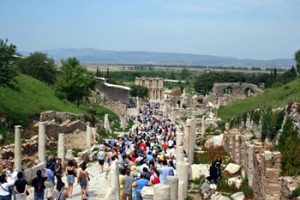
<point>274,97</point>
<point>29,97</point>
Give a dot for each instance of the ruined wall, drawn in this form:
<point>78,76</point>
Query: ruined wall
<point>235,89</point>
<point>155,86</point>
<point>113,92</point>
<point>261,165</point>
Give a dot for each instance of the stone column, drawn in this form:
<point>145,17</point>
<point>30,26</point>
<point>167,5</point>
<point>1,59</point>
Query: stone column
<point>182,169</point>
<point>181,195</point>
<point>192,140</point>
<point>203,126</point>
<point>179,146</point>
<point>113,186</point>
<point>61,147</point>
<point>250,163</point>
<point>186,130</point>
<point>106,123</point>
<point>88,136</point>
<point>172,181</point>
<point>17,156</point>
<point>42,142</point>
<point>161,192</point>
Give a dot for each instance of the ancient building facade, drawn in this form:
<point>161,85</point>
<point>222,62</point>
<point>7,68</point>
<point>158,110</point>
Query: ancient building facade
<point>155,86</point>
<point>235,89</point>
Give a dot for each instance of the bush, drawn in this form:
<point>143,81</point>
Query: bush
<point>295,193</point>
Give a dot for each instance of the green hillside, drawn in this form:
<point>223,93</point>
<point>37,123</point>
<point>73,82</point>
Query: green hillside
<point>273,97</point>
<point>29,97</point>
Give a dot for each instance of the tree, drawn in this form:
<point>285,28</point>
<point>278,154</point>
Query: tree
<point>185,74</point>
<point>74,82</point>
<point>140,91</point>
<point>297,59</point>
<point>39,66</point>
<point>107,73</point>
<point>98,73</point>
<point>8,58</point>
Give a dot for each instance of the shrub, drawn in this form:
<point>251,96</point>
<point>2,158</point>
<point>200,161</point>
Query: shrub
<point>295,193</point>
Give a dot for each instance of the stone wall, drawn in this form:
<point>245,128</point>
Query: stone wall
<point>155,86</point>
<point>288,184</point>
<point>235,89</point>
<point>261,165</point>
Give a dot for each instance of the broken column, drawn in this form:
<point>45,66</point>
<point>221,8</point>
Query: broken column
<point>181,195</point>
<point>61,147</point>
<point>123,122</point>
<point>42,142</point>
<point>182,169</point>
<point>106,123</point>
<point>161,192</point>
<point>172,181</point>
<point>113,186</point>
<point>88,136</point>
<point>186,130</point>
<point>179,147</point>
<point>17,158</point>
<point>192,140</point>
<point>250,163</point>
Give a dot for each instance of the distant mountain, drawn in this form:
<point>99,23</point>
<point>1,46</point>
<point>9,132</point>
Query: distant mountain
<point>87,55</point>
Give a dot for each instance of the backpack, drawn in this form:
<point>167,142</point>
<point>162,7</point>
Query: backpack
<point>39,188</point>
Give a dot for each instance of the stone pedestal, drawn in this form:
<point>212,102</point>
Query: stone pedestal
<point>182,169</point>
<point>18,156</point>
<point>42,142</point>
<point>161,192</point>
<point>88,136</point>
<point>61,147</point>
<point>172,181</point>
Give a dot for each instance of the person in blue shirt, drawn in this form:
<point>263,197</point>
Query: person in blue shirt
<point>165,171</point>
<point>139,184</point>
<point>149,156</point>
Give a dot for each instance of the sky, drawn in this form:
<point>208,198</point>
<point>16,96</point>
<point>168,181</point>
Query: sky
<point>260,29</point>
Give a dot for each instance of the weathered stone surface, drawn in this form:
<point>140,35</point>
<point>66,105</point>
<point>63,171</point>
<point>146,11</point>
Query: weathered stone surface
<point>172,181</point>
<point>161,192</point>
<point>238,196</point>
<point>232,168</point>
<point>214,141</point>
<point>235,181</point>
<point>147,193</point>
<point>220,197</point>
<point>198,170</point>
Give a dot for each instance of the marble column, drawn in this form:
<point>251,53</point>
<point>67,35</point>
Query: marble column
<point>161,192</point>
<point>18,146</point>
<point>250,163</point>
<point>113,186</point>
<point>88,136</point>
<point>181,195</point>
<point>192,140</point>
<point>61,147</point>
<point>106,123</point>
<point>203,126</point>
<point>187,130</point>
<point>172,181</point>
<point>42,142</point>
<point>179,146</point>
<point>182,169</point>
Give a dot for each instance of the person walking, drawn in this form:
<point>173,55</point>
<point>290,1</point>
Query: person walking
<point>126,182</point>
<point>139,184</point>
<point>39,186</point>
<point>71,174</point>
<point>101,158</point>
<point>49,191</point>
<point>4,187</point>
<point>21,187</point>
<point>83,178</point>
<point>63,193</point>
<point>58,172</point>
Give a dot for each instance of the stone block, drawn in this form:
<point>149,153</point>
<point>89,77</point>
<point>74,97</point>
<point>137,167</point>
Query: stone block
<point>199,170</point>
<point>236,181</point>
<point>238,196</point>
<point>232,168</point>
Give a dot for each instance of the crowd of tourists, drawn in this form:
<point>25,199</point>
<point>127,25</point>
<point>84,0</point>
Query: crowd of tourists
<point>146,156</point>
<point>47,184</point>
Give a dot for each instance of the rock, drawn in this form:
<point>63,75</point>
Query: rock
<point>205,187</point>
<point>214,141</point>
<point>199,170</point>
<point>69,155</point>
<point>238,196</point>
<point>232,168</point>
<point>220,197</point>
<point>236,181</point>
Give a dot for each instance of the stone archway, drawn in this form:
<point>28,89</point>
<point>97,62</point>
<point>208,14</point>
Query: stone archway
<point>249,92</point>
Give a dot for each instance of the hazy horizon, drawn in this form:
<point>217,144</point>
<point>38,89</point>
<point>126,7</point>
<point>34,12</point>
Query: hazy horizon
<point>254,29</point>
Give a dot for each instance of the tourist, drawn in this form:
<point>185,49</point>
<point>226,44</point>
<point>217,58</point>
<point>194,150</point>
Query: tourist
<point>154,179</point>
<point>101,158</point>
<point>58,173</point>
<point>126,182</point>
<point>83,178</point>
<point>139,184</point>
<point>218,164</point>
<point>63,193</point>
<point>71,174</point>
<point>21,187</point>
<point>39,186</point>
<point>11,174</point>
<point>49,191</point>
<point>121,176</point>
<point>4,187</point>
<point>213,176</point>
<point>165,171</point>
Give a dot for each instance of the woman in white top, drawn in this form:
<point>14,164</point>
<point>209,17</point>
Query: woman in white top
<point>4,187</point>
